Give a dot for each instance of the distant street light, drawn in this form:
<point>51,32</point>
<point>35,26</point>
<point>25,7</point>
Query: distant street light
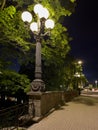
<point>96,82</point>
<point>78,73</point>
<point>40,28</point>
<point>80,62</point>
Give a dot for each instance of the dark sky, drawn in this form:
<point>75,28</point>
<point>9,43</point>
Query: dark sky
<point>83,27</point>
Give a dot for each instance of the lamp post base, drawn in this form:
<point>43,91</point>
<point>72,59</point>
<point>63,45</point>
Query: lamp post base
<point>38,85</point>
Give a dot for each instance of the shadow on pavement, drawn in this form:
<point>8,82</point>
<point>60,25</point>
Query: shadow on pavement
<point>87,100</point>
<point>61,107</point>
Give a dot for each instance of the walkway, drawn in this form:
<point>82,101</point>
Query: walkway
<point>80,114</point>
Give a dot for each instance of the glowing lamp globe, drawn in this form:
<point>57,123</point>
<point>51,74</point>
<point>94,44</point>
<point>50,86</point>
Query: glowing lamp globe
<point>79,62</point>
<point>49,24</point>
<point>34,27</point>
<point>42,12</point>
<point>37,8</point>
<point>26,16</point>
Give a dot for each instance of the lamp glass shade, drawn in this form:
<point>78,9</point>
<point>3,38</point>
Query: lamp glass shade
<point>79,62</point>
<point>34,27</point>
<point>37,8</point>
<point>49,24</point>
<point>42,12</point>
<point>26,16</point>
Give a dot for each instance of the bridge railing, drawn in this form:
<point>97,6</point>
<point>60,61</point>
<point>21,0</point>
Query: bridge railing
<point>13,117</point>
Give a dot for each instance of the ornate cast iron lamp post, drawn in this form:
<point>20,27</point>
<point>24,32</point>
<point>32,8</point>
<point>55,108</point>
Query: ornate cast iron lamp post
<point>38,28</point>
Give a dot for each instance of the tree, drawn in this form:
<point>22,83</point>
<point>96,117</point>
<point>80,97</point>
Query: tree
<point>55,47</point>
<point>11,82</point>
<point>13,32</point>
<point>17,37</point>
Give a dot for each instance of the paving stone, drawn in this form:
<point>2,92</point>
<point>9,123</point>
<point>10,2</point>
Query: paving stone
<point>79,114</point>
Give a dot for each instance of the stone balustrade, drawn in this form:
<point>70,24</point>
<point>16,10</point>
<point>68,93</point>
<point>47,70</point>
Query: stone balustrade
<point>45,101</point>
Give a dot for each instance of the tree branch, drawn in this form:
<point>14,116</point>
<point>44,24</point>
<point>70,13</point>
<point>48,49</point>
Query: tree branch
<point>3,4</point>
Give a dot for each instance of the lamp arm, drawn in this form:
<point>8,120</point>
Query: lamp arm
<point>46,33</point>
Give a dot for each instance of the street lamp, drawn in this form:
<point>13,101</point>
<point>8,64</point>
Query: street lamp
<point>40,28</point>
<point>78,73</point>
<point>80,62</point>
<point>96,82</point>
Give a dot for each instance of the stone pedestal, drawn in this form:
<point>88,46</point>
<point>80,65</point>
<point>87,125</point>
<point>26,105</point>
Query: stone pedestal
<point>35,97</point>
<point>38,85</point>
<point>43,103</point>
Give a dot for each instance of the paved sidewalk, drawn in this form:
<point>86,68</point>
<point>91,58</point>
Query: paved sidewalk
<point>80,114</point>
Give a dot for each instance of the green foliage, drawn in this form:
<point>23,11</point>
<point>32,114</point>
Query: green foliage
<point>4,64</point>
<point>16,38</point>
<point>12,29</point>
<point>55,8</point>
<point>72,1</point>
<point>11,82</point>
<point>20,3</point>
<point>54,50</point>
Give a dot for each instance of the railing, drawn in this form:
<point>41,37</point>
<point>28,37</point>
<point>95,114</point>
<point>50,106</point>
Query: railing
<point>16,116</point>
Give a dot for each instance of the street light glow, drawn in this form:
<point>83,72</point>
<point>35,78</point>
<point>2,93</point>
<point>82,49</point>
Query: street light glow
<point>49,24</point>
<point>77,74</point>
<point>41,11</point>
<point>45,13</point>
<point>34,27</point>
<point>26,16</point>
<point>79,62</point>
<point>37,8</point>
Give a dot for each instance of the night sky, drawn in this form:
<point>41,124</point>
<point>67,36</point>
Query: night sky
<point>83,27</point>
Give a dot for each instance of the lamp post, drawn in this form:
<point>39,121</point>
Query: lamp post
<point>96,82</point>
<point>40,28</point>
<point>78,73</point>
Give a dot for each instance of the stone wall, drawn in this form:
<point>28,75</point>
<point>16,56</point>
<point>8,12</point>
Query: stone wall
<point>50,100</point>
<point>45,101</point>
<point>69,95</point>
